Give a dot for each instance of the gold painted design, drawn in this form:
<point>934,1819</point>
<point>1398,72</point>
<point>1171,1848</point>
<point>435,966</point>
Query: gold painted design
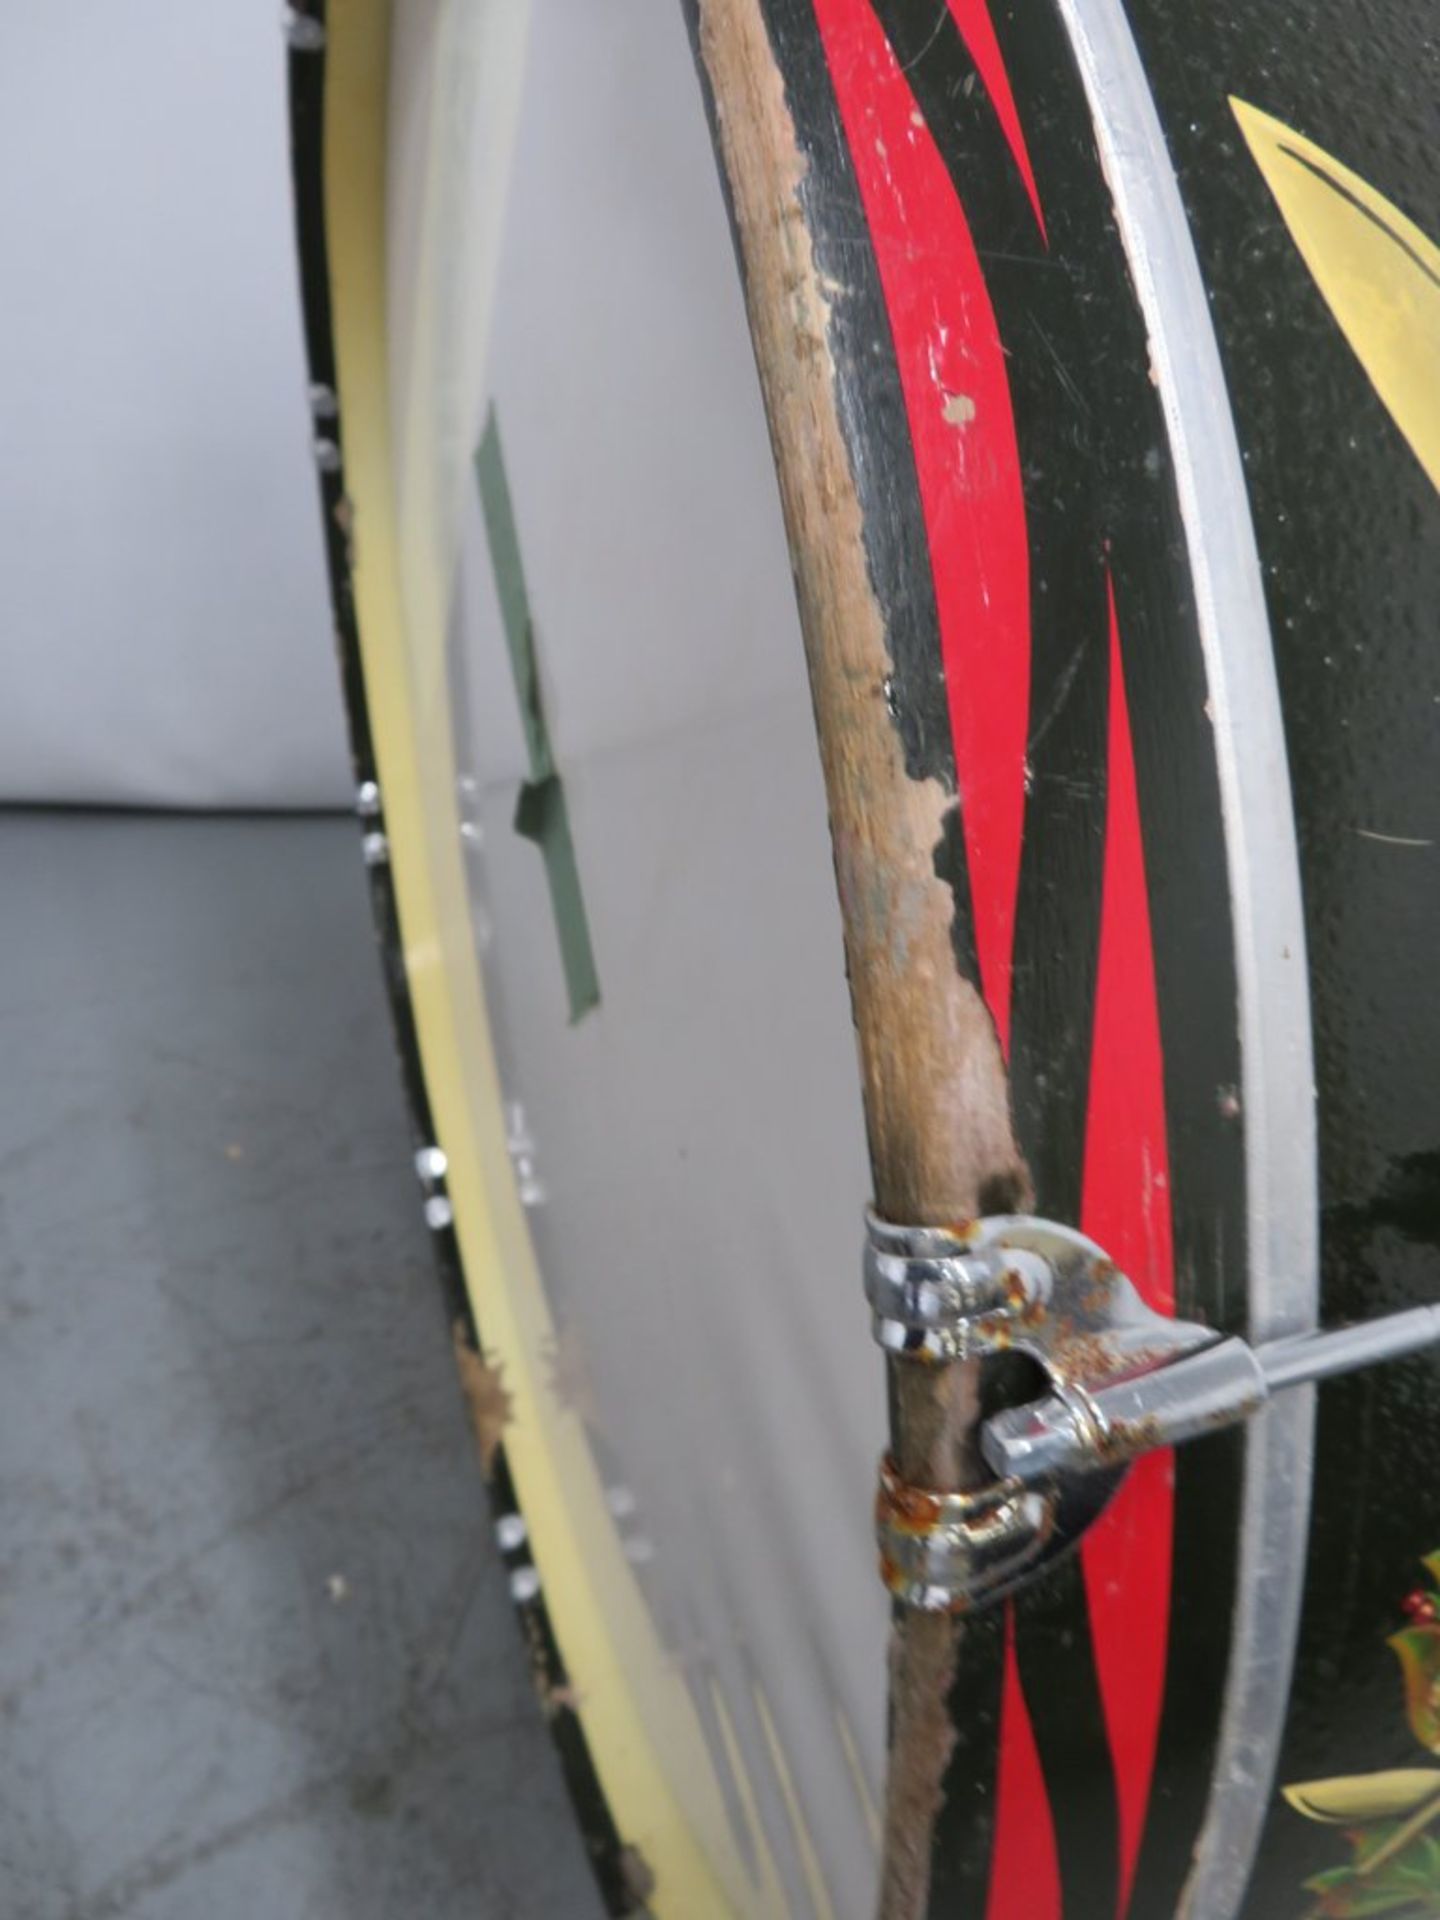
<point>1378,272</point>
<point>1392,1819</point>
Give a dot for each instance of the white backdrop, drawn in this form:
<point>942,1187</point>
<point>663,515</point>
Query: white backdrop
<point>164,630</point>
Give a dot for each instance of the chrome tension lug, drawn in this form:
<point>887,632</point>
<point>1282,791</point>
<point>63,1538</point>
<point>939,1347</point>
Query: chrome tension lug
<point>946,1293</point>
<point>1123,1380</point>
<point>949,1552</point>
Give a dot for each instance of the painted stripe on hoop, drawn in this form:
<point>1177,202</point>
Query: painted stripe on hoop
<point>1126,1206</point>
<point>977,30</point>
<point>962,427</point>
<point>1269,932</point>
<point>1025,1884</point>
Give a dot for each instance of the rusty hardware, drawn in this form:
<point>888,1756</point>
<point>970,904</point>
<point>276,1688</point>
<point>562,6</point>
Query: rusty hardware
<point>1121,1381</point>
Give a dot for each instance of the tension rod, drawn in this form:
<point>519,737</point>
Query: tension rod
<point>1321,1356</point>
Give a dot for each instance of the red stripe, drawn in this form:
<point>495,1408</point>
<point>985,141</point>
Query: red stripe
<point>1126,1207</point>
<point>1024,1867</point>
<point>962,428</point>
<point>957,397</point>
<point>977,30</point>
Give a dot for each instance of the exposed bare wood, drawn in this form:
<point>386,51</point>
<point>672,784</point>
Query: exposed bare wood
<point>936,1102</point>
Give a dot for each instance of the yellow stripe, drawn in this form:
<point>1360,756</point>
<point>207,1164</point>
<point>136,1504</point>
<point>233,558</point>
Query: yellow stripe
<point>857,1774</point>
<point>768,1895</point>
<point>1379,273</point>
<point>804,1845</point>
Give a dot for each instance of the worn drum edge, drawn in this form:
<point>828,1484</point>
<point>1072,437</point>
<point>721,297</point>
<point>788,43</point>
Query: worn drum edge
<point>636,1835</point>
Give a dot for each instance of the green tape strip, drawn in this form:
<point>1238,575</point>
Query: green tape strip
<point>499,511</point>
<point>541,813</point>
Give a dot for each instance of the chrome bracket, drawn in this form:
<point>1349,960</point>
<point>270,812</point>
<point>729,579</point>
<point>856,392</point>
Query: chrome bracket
<point>1122,1380</point>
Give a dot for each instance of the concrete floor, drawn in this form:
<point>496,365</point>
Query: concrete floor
<point>256,1653</point>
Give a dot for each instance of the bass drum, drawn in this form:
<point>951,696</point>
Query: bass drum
<point>1125,321</point>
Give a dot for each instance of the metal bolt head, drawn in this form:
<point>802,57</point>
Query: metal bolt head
<point>302,33</point>
<point>511,1532</point>
<point>524,1585</point>
<point>431,1163</point>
